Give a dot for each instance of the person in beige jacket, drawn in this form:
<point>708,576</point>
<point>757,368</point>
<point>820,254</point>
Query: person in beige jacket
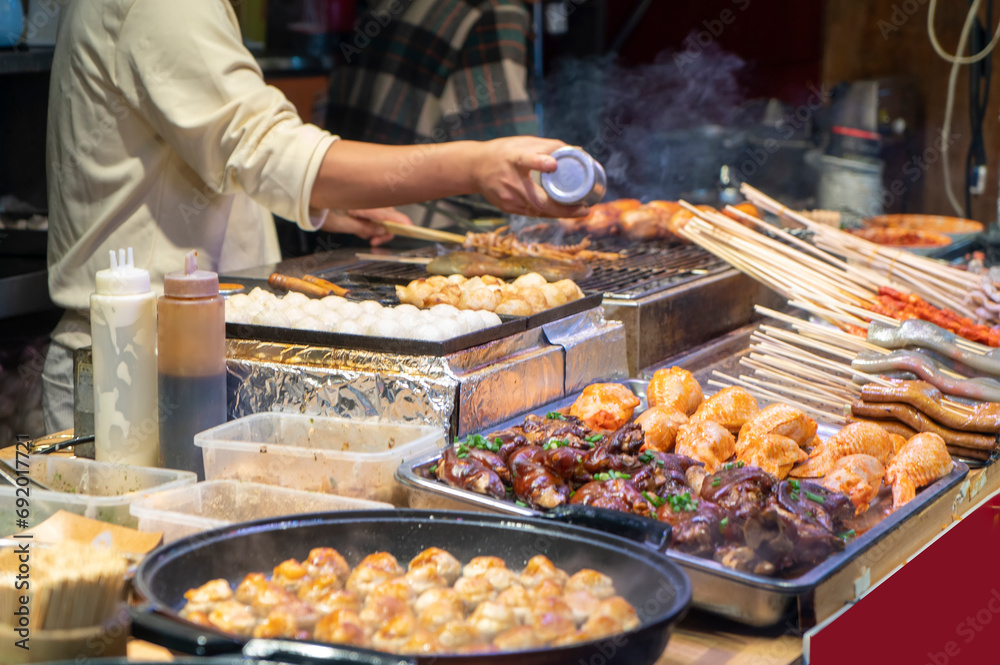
<point>163,137</point>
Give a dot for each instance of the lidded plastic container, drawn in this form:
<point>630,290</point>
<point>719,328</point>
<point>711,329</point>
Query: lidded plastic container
<point>191,332</point>
<point>123,332</point>
<point>579,179</point>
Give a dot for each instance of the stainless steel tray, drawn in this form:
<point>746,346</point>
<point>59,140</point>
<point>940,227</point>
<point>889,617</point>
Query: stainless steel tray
<point>754,600</point>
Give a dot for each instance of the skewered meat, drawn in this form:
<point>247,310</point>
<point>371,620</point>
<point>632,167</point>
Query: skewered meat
<point>477,264</point>
<point>605,405</point>
<point>501,243</point>
<point>927,399</point>
<point>857,438</point>
<point>918,421</point>
<point>926,369</point>
<point>857,476</point>
<point>914,332</point>
<point>707,442</point>
<point>773,453</point>
<point>895,429</point>
<point>730,407</point>
<point>695,525</point>
<point>615,494</point>
<point>910,307</point>
<point>469,474</point>
<point>784,420</point>
<point>659,427</point>
<point>922,460</point>
<point>741,491</point>
<point>535,483</point>
<point>676,388</point>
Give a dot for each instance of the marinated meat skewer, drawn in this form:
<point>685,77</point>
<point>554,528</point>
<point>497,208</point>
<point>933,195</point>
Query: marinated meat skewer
<point>927,399</point>
<point>921,423</point>
<point>857,476</point>
<point>730,407</point>
<point>914,332</point>
<point>922,460</point>
<point>925,368</point>
<point>857,438</point>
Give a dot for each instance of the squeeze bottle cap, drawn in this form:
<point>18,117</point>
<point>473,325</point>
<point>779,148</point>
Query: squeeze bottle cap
<point>122,278</point>
<point>578,178</point>
<point>191,282</point>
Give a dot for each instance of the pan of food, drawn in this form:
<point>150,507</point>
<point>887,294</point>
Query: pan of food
<point>758,523</point>
<point>415,586</point>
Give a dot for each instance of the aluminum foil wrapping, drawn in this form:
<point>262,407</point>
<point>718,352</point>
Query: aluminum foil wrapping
<point>594,348</point>
<point>264,376</point>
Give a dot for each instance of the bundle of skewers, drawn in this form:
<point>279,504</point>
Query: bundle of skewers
<point>894,343</point>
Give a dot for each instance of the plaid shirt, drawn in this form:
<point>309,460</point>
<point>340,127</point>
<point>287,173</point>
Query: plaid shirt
<point>434,70</point>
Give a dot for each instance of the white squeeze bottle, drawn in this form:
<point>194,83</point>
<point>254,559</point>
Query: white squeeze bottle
<point>123,328</point>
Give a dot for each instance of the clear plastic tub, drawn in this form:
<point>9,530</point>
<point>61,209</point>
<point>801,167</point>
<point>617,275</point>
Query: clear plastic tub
<point>97,490</point>
<point>217,503</point>
<point>317,454</point>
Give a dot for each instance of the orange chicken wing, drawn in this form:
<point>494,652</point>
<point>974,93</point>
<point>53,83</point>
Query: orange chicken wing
<point>773,453</point>
<point>921,461</point>
<point>706,441</point>
<point>676,388</point>
<point>605,405</point>
<point>730,407</point>
<point>857,438</point>
<point>783,420</point>
<point>659,427</point>
<point>857,476</point>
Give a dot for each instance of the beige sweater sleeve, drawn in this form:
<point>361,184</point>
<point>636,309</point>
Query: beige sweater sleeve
<point>183,66</point>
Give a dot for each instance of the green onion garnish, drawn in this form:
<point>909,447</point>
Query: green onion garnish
<point>716,482</point>
<point>646,457</point>
<point>434,469</point>
<point>723,523</point>
<point>794,484</point>
<point>847,534</point>
<point>814,497</point>
<point>555,415</point>
<point>521,503</point>
<point>594,438</point>
<point>653,499</point>
<point>620,475</point>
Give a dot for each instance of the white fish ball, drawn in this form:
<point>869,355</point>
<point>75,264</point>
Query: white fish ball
<point>274,318</point>
<point>330,320</point>
<point>489,319</point>
<point>405,312</point>
<point>349,327</point>
<point>386,327</point>
<point>295,298</point>
<point>450,328</point>
<point>469,321</point>
<point>333,301</point>
<point>444,310</point>
<point>313,308</point>
<point>239,315</point>
<point>350,310</point>
<point>260,295</point>
<point>294,314</point>
<point>307,323</point>
<point>428,332</point>
<point>371,307</point>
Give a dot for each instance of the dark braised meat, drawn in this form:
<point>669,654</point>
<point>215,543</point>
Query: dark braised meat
<point>697,526</point>
<point>510,440</point>
<point>492,461</point>
<point>601,460</point>
<point>811,502</point>
<point>742,491</point>
<point>539,429</point>
<point>567,463</point>
<point>468,473</point>
<point>534,482</point>
<point>626,440</point>
<point>615,494</point>
<point>663,473</point>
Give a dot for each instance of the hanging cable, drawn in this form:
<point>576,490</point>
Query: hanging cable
<point>957,58</point>
<point>950,99</point>
<point>979,95</point>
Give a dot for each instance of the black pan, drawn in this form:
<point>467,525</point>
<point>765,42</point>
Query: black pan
<point>656,587</point>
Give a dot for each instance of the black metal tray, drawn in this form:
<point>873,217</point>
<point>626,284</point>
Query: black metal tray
<point>751,599</point>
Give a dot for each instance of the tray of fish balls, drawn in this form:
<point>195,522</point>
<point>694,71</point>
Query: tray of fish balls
<point>765,503</point>
<point>426,319</point>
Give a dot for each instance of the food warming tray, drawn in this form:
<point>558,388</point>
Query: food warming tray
<point>656,587</point>
<point>751,599</point>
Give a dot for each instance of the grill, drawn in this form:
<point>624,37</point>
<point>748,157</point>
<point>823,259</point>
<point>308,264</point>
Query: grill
<point>643,271</point>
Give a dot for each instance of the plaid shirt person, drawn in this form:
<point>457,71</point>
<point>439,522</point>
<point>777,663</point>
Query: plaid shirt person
<point>434,70</point>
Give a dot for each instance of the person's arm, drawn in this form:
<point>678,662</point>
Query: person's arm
<point>363,175</point>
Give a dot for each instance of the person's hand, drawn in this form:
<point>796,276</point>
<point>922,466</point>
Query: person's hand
<point>501,171</point>
<point>363,223</point>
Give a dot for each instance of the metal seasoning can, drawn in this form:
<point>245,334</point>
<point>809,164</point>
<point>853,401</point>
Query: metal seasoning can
<point>579,179</point>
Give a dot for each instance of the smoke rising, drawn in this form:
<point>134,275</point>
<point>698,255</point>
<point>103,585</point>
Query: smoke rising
<point>657,129</point>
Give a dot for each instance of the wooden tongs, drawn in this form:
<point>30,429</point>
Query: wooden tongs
<point>314,287</point>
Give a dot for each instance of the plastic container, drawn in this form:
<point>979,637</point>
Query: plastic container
<point>318,454</point>
<point>191,332</point>
<point>181,512</point>
<point>123,332</point>
<point>84,487</point>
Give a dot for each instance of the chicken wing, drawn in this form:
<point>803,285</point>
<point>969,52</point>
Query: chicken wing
<point>730,407</point>
<point>857,476</point>
<point>659,426</point>
<point>706,441</point>
<point>605,405</point>
<point>773,453</point>
<point>784,420</point>
<point>857,438</point>
<point>676,388</point>
<point>921,461</point>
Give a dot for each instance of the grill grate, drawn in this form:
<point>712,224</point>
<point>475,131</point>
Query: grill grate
<point>645,270</point>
